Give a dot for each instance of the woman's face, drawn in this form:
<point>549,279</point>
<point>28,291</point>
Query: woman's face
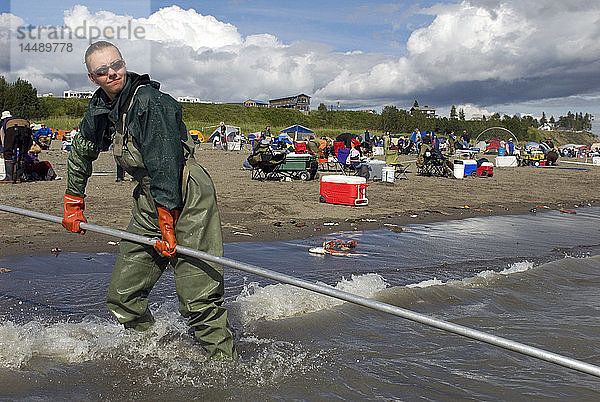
<point>112,82</point>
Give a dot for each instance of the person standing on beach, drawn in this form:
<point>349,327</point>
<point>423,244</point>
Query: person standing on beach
<point>174,199</point>
<point>223,135</point>
<point>266,135</point>
<point>466,139</point>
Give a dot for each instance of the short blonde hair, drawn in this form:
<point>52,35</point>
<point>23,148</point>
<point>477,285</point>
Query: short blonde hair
<point>101,44</point>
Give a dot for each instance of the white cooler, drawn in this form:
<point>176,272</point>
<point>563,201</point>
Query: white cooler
<point>2,169</point>
<point>459,169</point>
<point>506,161</point>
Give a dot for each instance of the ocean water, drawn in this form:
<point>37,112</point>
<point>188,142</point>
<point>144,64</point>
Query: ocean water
<point>534,279</point>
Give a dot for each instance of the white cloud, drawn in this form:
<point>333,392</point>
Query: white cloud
<point>473,111</point>
<point>475,41</point>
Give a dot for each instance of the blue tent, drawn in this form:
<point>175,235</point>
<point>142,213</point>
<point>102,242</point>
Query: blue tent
<point>297,129</point>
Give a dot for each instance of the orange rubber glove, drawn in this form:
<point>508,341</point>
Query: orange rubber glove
<point>73,213</point>
<point>167,218</point>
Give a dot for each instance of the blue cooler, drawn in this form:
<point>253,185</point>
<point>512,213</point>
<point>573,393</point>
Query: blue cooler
<point>501,151</point>
<point>470,167</point>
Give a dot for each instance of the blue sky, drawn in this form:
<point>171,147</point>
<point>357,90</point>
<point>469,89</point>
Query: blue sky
<point>486,56</point>
<point>376,26</point>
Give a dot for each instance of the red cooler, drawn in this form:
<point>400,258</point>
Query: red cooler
<point>345,190</point>
<point>485,169</point>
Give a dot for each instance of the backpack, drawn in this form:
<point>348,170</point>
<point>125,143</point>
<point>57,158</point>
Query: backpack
<point>17,138</point>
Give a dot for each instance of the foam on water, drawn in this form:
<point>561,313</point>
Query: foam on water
<point>90,339</point>
<point>480,279</point>
<point>274,302</point>
<point>166,350</point>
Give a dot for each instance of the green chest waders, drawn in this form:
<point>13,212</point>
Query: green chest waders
<point>199,284</point>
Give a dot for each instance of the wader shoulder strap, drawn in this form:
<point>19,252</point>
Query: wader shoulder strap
<point>119,137</point>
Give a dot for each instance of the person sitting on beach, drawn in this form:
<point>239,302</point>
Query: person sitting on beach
<point>324,147</point>
<point>312,146</point>
<point>36,170</point>
<point>43,136</point>
<point>428,154</point>
<point>355,157</point>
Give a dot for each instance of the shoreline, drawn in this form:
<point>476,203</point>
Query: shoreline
<point>290,230</point>
<point>265,211</point>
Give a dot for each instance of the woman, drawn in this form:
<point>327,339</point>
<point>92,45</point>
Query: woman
<point>174,199</point>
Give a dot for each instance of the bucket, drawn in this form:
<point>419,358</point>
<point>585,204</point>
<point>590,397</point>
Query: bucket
<point>388,174</point>
<point>459,169</point>
<point>596,160</point>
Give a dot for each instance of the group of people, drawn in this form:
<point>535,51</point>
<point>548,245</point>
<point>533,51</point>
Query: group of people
<point>20,149</point>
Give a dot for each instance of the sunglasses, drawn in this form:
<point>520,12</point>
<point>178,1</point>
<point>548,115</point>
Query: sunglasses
<point>103,70</point>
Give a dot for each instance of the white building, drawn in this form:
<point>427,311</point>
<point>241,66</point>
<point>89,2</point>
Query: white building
<point>77,94</point>
<point>190,99</point>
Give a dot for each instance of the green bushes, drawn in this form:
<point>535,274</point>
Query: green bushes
<point>59,113</point>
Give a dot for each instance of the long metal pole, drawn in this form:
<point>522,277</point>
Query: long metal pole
<point>338,294</point>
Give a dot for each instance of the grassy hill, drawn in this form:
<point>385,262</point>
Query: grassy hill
<point>563,137</point>
<point>66,113</point>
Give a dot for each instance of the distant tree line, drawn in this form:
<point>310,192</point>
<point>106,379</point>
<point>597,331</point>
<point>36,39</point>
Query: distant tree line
<point>20,98</point>
<point>397,121</point>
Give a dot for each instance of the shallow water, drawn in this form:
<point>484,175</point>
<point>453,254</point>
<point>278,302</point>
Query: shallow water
<point>533,279</point>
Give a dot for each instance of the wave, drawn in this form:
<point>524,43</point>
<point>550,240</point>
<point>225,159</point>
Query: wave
<point>484,277</point>
<point>274,302</point>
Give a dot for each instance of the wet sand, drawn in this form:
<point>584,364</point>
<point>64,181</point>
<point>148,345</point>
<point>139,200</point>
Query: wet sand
<point>263,211</point>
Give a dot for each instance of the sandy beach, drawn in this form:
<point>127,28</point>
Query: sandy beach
<point>263,211</point>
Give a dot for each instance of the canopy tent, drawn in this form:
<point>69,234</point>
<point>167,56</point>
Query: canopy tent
<point>346,138</point>
<point>481,145</point>
<point>500,133</point>
<point>493,145</point>
<point>254,136</point>
<point>595,146</point>
<point>230,132</point>
<point>532,145</point>
<point>298,129</point>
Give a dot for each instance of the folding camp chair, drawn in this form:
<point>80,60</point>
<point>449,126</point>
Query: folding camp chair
<point>324,164</point>
<point>433,166</point>
<point>401,170</point>
<point>340,160</point>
